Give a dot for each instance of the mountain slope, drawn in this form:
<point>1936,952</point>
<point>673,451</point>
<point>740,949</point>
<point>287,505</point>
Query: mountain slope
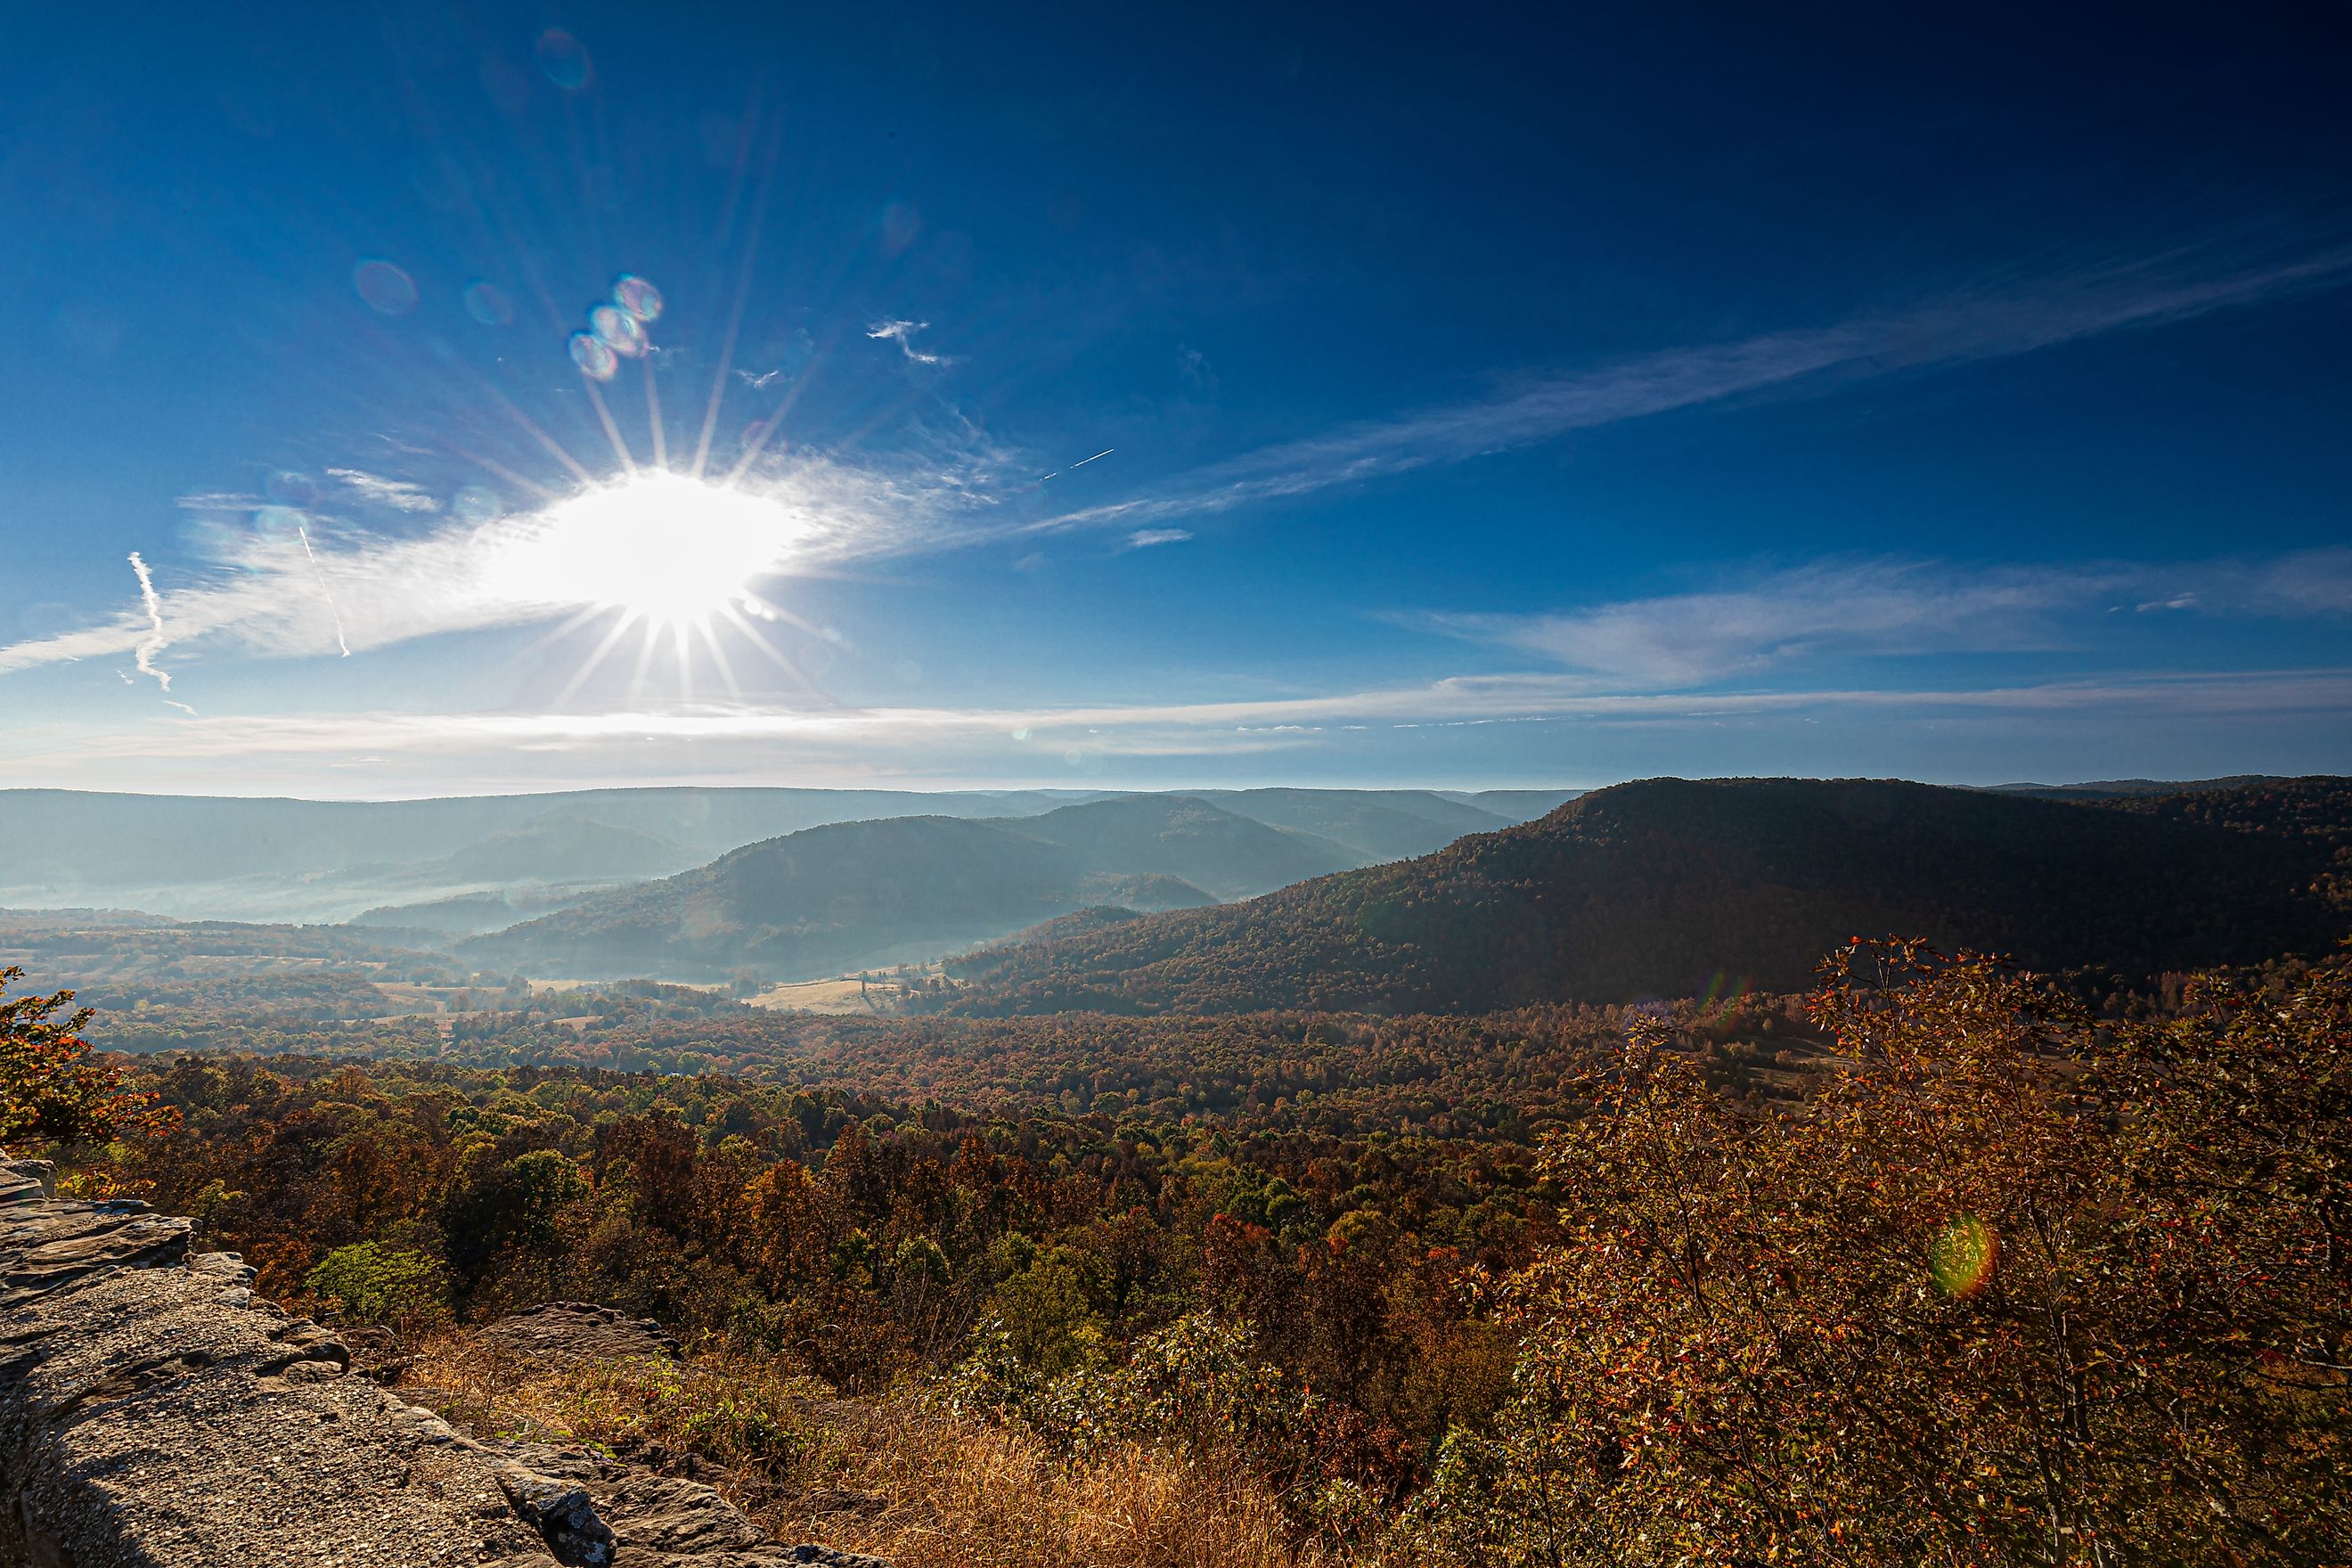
<point>277,859</point>
<point>563,850</point>
<point>1231,855</point>
<point>1388,825</point>
<point>1516,806</point>
<point>843,896</point>
<point>1651,888</point>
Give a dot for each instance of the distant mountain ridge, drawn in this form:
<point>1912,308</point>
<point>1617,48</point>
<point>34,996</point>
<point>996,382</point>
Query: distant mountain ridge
<point>862,895</point>
<point>2123,789</point>
<point>1652,888</point>
<point>198,856</point>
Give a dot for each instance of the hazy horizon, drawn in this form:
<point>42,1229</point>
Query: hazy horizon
<point>1089,791</point>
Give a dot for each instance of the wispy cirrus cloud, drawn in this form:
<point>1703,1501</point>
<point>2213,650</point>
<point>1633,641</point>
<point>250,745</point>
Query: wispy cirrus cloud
<point>903,334</point>
<point>2018,317</point>
<point>399,495</point>
<point>1895,607</point>
<point>217,501</point>
<point>714,743</point>
<point>263,595</point>
<point>294,592</point>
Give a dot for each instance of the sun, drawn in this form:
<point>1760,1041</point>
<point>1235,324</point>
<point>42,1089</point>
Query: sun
<point>660,547</point>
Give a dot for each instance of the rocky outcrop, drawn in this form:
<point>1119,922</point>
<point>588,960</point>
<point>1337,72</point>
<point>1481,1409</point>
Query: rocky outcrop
<point>155,1411</point>
<point>564,1333</point>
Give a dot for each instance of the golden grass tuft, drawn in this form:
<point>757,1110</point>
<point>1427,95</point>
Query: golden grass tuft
<point>894,1476</point>
<point>962,1492</point>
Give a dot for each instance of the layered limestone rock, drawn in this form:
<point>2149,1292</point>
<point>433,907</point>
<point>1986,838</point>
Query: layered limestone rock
<point>155,1411</point>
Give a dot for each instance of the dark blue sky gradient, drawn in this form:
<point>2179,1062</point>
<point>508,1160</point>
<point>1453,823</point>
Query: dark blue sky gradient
<point>1198,236</point>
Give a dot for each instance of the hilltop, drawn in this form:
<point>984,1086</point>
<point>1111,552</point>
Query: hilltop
<point>852,895</point>
<point>1669,886</point>
<point>402,862</point>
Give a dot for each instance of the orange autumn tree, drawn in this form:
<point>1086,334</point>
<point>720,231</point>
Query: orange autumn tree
<point>2012,1291</point>
<point>52,1090</point>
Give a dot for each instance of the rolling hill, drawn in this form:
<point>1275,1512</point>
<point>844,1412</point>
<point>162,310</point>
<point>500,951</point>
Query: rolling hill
<point>1391,826</point>
<point>859,895</point>
<point>198,856</point>
<point>1228,856</point>
<point>1659,888</point>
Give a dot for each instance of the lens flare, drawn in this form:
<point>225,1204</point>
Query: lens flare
<point>487,304</point>
<point>278,525</point>
<point>619,330</point>
<point>638,297</point>
<point>386,287</point>
<point>1960,1256</point>
<point>291,487</point>
<point>477,504</point>
<point>564,59</point>
<point>1722,994</point>
<point>595,356</point>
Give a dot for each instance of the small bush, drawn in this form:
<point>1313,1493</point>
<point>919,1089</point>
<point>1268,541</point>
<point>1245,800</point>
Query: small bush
<point>370,1283</point>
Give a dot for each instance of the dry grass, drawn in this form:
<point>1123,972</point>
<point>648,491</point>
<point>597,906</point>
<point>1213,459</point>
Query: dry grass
<point>958,1492</point>
<point>894,1477</point>
<point>836,998</point>
<point>484,1390</point>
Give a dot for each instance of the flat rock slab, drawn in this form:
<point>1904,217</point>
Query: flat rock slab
<point>565,1333</point>
<point>155,1411</point>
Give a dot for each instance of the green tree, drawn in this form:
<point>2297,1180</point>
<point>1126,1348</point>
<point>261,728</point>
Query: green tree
<point>370,1283</point>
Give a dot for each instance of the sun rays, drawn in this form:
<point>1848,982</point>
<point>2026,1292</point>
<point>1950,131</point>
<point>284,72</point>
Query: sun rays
<point>666,555</point>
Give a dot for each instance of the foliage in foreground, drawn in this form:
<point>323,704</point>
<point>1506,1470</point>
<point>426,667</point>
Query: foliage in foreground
<point>52,1091</point>
<point>905,1475</point>
<point>2011,1292</point>
<point>2015,1285</point>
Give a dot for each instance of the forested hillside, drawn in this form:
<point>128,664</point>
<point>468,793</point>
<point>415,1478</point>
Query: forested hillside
<point>1400,1291</point>
<point>1667,887</point>
<point>859,894</point>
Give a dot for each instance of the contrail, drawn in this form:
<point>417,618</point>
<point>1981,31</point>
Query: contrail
<point>155,641</point>
<point>323,591</point>
<point>1081,463</point>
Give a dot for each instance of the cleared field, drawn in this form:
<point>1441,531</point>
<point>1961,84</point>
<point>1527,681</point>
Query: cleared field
<point>835,996</point>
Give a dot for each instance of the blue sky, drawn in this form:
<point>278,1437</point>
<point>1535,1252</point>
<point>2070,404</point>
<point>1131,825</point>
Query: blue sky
<point>1469,400</point>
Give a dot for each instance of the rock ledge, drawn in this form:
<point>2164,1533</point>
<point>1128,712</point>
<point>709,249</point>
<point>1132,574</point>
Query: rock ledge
<point>155,1411</point>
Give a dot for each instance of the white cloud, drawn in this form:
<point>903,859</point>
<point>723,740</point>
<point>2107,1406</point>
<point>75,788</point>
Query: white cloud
<point>1956,330</point>
<point>903,334</point>
<point>399,495</point>
<point>1145,538</point>
<point>740,742</point>
<point>1893,607</point>
<point>1868,608</point>
<point>282,597</point>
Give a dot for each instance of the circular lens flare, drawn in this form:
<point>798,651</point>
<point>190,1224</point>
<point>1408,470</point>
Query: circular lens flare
<point>638,297</point>
<point>477,504</point>
<point>1961,1256</point>
<point>387,290</point>
<point>564,59</point>
<point>619,330</point>
<point>595,356</point>
<point>487,304</point>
